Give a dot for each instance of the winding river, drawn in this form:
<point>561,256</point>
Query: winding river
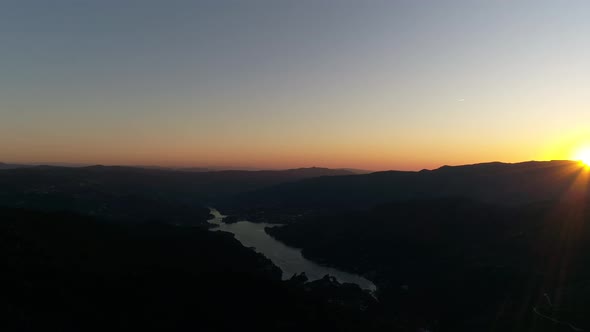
<point>288,259</point>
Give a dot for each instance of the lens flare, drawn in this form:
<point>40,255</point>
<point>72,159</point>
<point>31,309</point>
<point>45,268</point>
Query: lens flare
<point>583,156</point>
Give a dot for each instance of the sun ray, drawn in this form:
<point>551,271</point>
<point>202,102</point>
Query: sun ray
<point>561,240</point>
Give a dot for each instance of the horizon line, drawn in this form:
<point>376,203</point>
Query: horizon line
<point>254,168</point>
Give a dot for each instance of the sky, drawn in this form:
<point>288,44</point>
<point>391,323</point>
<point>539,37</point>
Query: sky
<point>279,84</point>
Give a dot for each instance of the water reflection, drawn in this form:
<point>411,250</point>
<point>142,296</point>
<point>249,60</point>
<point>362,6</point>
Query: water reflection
<point>288,259</point>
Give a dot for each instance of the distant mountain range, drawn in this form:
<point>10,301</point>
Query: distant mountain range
<point>136,194</point>
<point>11,166</point>
<point>182,169</point>
<point>489,182</point>
<point>284,191</point>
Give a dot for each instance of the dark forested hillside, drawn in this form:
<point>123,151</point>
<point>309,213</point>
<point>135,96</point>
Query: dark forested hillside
<point>64,272</point>
<point>464,264</point>
<point>479,247</point>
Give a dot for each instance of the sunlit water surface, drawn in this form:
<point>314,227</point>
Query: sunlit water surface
<point>288,259</point>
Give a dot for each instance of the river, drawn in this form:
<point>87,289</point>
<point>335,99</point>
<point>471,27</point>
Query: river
<point>288,259</point>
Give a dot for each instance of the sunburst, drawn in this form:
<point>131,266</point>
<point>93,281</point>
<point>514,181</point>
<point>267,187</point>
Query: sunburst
<point>583,155</point>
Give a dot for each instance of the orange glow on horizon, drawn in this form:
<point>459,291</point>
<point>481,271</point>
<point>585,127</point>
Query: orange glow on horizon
<point>368,154</point>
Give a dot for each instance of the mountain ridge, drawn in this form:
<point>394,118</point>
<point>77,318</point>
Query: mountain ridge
<point>506,183</point>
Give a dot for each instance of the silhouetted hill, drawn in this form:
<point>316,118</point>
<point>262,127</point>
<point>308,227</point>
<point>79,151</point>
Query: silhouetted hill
<point>135,194</point>
<point>490,182</point>
<point>195,169</point>
<point>357,171</point>
<point>11,166</point>
<point>202,184</point>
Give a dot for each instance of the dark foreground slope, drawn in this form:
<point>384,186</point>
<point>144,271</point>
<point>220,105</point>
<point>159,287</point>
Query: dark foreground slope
<point>461,265</point>
<point>71,273</point>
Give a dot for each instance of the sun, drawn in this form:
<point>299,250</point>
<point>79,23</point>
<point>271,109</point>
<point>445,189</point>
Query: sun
<point>583,156</point>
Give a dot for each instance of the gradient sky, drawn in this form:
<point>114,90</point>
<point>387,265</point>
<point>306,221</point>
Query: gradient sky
<point>275,84</point>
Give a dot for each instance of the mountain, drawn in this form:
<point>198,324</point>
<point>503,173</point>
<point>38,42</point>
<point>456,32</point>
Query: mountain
<point>203,184</point>
<point>11,166</point>
<point>500,183</point>
<point>195,169</point>
<point>357,170</point>
<point>135,194</point>
<point>462,248</point>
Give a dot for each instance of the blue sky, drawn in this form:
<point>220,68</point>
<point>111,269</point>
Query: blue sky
<point>370,84</point>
